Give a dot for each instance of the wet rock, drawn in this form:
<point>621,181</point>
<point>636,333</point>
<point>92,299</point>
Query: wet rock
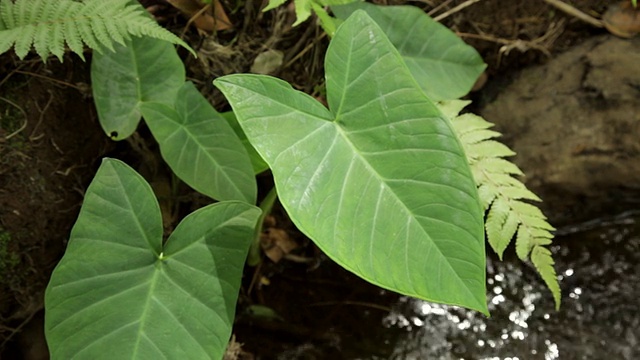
<point>575,125</point>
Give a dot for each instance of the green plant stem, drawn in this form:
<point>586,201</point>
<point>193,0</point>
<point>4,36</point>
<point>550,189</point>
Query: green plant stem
<point>253,258</point>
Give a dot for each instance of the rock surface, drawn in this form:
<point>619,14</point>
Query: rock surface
<point>575,125</point>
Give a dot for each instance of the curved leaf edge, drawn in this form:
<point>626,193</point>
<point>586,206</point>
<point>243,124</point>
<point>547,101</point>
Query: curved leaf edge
<point>480,305</point>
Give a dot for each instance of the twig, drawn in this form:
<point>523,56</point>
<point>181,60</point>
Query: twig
<point>42,112</point>
<point>437,8</point>
<point>49,78</point>
<point>24,125</point>
<point>428,2</point>
<point>305,50</point>
<point>194,17</point>
<point>575,12</point>
<point>18,329</point>
<point>455,9</point>
<point>356,303</point>
<point>485,38</point>
<point>11,73</point>
<point>542,43</point>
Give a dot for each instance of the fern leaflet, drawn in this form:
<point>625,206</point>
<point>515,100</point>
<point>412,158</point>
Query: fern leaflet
<point>47,25</point>
<point>503,196</point>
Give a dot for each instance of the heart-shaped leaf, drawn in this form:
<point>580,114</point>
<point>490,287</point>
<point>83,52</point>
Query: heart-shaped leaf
<point>380,182</point>
<point>118,293</point>
<point>146,69</point>
<point>442,64</point>
<point>200,146</point>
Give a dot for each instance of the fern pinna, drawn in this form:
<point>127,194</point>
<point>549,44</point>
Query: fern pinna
<point>502,195</point>
<point>48,24</point>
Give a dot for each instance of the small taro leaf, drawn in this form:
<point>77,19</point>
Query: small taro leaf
<point>147,69</point>
<point>380,182</point>
<point>442,64</point>
<point>117,294</point>
<point>200,146</point>
<point>256,160</point>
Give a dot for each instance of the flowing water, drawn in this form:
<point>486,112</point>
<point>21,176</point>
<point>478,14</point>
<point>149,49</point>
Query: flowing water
<point>598,265</point>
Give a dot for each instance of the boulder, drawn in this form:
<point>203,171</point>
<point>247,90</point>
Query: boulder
<point>575,125</point>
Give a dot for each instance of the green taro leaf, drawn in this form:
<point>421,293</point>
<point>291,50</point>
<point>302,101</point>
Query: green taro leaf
<point>200,146</point>
<point>444,66</point>
<point>256,160</point>
<point>145,70</point>
<point>380,181</point>
<point>118,293</point>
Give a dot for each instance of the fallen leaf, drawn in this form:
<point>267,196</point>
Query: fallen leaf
<point>267,62</point>
<point>202,16</point>
<point>276,243</point>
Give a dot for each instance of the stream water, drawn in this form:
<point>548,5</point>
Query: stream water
<point>598,264</point>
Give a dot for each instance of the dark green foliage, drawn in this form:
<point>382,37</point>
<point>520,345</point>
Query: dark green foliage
<point>47,25</point>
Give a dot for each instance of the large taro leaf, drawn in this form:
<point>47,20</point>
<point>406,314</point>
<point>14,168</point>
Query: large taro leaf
<point>443,65</point>
<point>380,182</point>
<point>200,146</point>
<point>119,293</point>
<point>147,69</point>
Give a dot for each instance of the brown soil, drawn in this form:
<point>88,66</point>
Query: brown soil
<point>50,144</point>
<point>46,165</point>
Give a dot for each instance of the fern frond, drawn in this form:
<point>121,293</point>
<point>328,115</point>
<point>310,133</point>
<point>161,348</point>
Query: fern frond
<point>488,148</point>
<point>498,165</point>
<point>46,25</point>
<point>501,224</point>
<point>502,196</point>
<point>451,108</point>
<point>543,262</point>
<point>486,195</point>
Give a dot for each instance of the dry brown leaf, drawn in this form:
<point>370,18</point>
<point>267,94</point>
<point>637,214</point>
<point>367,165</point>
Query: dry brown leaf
<point>622,20</point>
<point>276,243</point>
<point>201,15</point>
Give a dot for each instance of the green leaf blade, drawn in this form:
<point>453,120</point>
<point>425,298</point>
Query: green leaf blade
<point>23,43</point>
<point>7,38</point>
<point>303,11</point>
<point>113,208</point>
<point>200,147</point>
<point>380,183</point>
<point>273,4</point>
<point>502,194</point>
<point>257,162</point>
<point>501,225</point>
<point>442,64</point>
<point>118,294</point>
<point>543,262</point>
<point>146,70</point>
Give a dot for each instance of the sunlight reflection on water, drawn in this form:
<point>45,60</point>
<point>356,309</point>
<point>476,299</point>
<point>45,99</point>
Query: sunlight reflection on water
<point>599,272</point>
